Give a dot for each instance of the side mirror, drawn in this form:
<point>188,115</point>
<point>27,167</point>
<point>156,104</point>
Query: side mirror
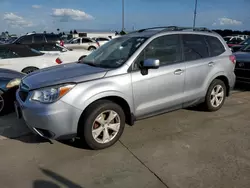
<point>151,64</point>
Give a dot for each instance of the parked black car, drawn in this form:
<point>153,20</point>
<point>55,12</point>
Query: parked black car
<point>242,67</point>
<point>239,46</point>
<point>38,38</point>
<point>9,82</point>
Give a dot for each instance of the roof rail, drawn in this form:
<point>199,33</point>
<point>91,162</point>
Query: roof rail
<point>172,28</point>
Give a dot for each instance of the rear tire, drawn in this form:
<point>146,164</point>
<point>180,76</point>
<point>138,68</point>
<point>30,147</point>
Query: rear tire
<point>215,96</point>
<point>91,48</point>
<point>96,130</point>
<point>28,70</point>
<point>81,57</point>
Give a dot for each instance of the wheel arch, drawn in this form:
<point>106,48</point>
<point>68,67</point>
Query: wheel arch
<point>29,67</point>
<point>129,117</point>
<point>221,76</point>
<point>91,47</point>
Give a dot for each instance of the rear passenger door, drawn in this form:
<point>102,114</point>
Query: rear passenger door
<point>198,63</point>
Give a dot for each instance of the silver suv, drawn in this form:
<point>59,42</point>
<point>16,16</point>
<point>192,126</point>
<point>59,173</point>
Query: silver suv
<point>141,74</point>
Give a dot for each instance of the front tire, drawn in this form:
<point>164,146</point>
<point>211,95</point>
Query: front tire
<point>5,103</point>
<point>102,124</point>
<point>216,96</point>
<point>92,48</point>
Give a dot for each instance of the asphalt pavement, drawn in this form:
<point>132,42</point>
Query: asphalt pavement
<point>182,149</point>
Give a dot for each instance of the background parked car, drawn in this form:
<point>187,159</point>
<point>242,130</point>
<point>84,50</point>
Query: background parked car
<point>235,41</point>
<point>24,59</point>
<point>9,82</point>
<point>102,40</point>
<point>34,38</point>
<point>82,43</point>
<point>66,55</point>
<point>242,68</point>
<point>240,45</point>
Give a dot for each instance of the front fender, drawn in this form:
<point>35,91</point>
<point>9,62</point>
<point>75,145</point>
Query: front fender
<point>108,94</point>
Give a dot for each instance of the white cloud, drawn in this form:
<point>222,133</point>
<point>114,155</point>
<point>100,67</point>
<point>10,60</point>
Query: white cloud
<point>16,21</point>
<point>227,21</point>
<point>36,6</point>
<point>70,14</point>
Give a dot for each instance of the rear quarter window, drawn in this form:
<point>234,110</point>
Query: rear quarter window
<point>215,46</point>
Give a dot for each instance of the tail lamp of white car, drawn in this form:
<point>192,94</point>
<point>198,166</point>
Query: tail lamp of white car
<point>58,61</point>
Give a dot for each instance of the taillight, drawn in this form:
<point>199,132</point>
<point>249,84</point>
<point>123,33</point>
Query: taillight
<point>232,58</point>
<point>58,61</point>
<point>61,43</point>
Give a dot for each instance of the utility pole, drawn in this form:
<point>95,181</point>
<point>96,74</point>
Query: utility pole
<point>122,15</point>
<point>195,12</point>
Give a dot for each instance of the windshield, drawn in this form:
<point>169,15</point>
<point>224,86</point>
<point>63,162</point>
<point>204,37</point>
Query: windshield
<point>226,39</point>
<point>114,53</point>
<point>245,48</point>
<point>247,41</point>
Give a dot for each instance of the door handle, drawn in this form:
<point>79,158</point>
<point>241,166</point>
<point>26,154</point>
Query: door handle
<point>178,72</point>
<point>211,64</point>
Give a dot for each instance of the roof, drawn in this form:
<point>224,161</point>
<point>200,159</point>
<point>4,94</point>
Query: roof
<point>148,32</point>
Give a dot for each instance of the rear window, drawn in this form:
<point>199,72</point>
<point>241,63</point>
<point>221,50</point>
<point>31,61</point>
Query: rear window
<point>215,46</point>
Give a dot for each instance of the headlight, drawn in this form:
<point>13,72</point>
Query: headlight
<point>13,83</point>
<point>51,94</point>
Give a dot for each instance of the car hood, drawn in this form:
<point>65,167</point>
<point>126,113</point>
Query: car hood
<point>10,74</point>
<point>60,74</point>
<point>242,56</point>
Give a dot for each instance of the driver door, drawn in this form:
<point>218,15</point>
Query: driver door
<point>161,89</point>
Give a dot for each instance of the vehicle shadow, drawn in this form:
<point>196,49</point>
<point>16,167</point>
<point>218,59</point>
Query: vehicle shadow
<point>49,184</point>
<point>76,143</point>
<point>13,128</point>
<point>242,87</point>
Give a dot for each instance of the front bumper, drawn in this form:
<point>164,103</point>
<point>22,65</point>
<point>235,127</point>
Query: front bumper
<point>58,120</point>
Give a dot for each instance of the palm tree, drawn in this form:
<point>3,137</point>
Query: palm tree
<point>58,30</point>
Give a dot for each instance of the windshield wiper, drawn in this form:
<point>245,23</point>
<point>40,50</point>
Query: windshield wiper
<point>89,63</point>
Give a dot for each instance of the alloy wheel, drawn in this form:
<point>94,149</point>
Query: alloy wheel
<point>106,126</point>
<point>1,103</point>
<point>217,96</point>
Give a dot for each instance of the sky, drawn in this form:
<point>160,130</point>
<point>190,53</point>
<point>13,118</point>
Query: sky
<point>22,16</point>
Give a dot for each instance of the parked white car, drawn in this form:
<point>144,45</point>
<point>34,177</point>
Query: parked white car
<point>101,40</point>
<point>82,43</point>
<point>24,59</point>
<point>64,53</point>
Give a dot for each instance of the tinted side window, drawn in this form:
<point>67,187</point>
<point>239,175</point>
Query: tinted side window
<point>39,38</point>
<point>102,39</point>
<point>215,46</point>
<point>166,48</point>
<point>26,39</point>
<point>76,41</point>
<point>86,40</point>
<point>195,47</point>
<point>52,38</point>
